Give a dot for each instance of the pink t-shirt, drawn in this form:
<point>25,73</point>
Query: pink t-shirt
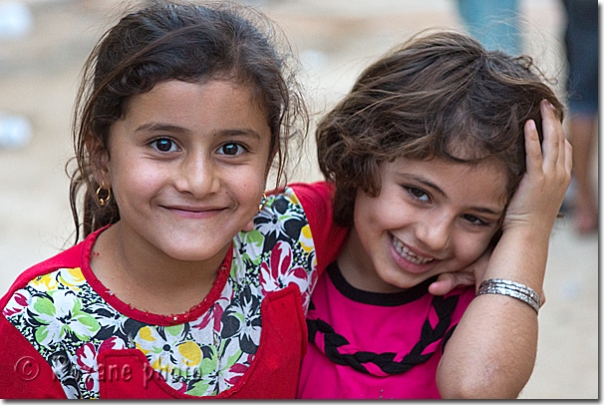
<point>366,345</point>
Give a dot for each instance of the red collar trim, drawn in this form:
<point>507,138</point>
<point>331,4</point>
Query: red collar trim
<point>148,317</point>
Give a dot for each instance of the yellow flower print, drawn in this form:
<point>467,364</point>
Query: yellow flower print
<point>73,278</point>
<point>293,198</point>
<point>306,240</point>
<point>145,339</point>
<point>47,282</point>
<point>169,351</point>
<point>190,354</point>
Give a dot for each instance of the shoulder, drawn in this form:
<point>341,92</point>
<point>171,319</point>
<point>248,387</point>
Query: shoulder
<point>308,195</point>
<point>71,258</point>
<point>312,195</point>
<point>68,258</point>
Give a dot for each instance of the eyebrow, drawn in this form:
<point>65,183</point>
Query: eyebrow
<point>159,126</point>
<point>429,184</point>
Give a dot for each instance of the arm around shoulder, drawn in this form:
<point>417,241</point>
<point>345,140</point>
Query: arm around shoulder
<point>492,352</point>
<point>317,201</point>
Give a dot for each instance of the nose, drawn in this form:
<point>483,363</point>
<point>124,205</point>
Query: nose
<point>197,175</point>
<point>434,231</point>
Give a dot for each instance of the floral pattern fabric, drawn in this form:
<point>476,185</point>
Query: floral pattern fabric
<point>69,323</point>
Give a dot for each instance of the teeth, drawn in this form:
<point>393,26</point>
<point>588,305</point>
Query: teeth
<point>408,254</point>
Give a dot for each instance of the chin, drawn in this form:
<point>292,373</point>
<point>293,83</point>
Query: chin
<point>406,282</point>
<point>190,255</point>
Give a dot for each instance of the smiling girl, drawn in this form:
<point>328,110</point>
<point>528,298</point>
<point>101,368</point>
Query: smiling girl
<point>435,156</point>
<point>188,282</point>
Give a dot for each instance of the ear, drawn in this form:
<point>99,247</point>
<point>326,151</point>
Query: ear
<point>99,161</point>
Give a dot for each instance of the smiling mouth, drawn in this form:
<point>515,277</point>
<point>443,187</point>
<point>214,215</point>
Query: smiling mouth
<point>194,211</point>
<point>407,254</point>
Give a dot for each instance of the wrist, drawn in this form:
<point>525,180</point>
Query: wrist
<point>527,233</point>
<point>531,227</point>
<point>512,289</point>
<point>521,256</point>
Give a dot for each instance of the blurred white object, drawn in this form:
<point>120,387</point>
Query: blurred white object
<point>313,59</point>
<point>15,20</point>
<point>15,131</point>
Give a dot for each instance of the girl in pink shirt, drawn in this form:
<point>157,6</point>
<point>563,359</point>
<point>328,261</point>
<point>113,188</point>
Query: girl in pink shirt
<point>436,159</point>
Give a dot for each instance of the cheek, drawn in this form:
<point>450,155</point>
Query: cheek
<point>249,186</point>
<point>382,213</point>
<point>130,179</point>
<point>363,215</point>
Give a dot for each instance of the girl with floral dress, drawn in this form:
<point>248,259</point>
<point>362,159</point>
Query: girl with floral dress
<point>188,282</point>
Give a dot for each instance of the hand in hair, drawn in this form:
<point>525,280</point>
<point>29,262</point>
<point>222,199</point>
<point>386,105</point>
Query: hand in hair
<point>541,191</point>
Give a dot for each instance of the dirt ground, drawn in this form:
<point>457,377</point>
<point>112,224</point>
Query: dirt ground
<point>335,39</point>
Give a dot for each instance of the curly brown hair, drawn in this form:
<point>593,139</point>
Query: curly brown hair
<point>170,39</point>
<point>437,95</point>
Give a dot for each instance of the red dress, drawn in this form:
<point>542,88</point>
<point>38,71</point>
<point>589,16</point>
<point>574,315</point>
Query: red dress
<point>64,335</point>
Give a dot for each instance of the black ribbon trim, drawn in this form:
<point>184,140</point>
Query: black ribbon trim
<point>443,307</point>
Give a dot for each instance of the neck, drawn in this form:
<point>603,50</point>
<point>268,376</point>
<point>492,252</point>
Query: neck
<point>148,279</point>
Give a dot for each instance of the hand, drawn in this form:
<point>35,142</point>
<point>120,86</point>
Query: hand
<point>471,275</point>
<point>537,201</point>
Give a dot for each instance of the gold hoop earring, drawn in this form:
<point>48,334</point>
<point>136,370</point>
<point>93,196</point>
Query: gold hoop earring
<point>102,200</point>
<point>262,202</point>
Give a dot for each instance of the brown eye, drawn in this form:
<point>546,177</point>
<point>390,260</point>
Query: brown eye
<point>474,220</point>
<point>164,145</point>
<point>231,149</point>
<point>417,193</point>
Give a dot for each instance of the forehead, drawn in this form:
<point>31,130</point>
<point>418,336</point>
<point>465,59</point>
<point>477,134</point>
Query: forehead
<point>203,103</point>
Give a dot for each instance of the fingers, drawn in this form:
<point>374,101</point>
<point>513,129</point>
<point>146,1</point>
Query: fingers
<point>534,159</point>
<point>555,152</point>
<point>554,149</point>
<point>568,164</point>
<point>440,286</point>
<point>446,282</point>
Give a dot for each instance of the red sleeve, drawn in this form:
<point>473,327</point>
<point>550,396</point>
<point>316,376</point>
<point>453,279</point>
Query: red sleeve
<point>23,372</point>
<point>329,239</point>
<point>71,257</point>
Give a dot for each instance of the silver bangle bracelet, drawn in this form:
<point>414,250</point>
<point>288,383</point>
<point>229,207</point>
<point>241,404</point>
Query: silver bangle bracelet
<point>511,289</point>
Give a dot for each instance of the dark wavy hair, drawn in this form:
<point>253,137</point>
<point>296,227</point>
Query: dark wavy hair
<point>169,40</point>
<point>437,95</point>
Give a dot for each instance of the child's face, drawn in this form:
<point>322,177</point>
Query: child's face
<point>431,217</point>
<point>188,164</point>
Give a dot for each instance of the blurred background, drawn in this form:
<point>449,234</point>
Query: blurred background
<point>43,44</point>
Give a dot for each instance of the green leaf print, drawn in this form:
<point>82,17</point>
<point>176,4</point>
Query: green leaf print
<point>232,359</point>
<point>174,330</point>
<point>85,327</point>
<point>208,373</point>
<point>234,269</point>
<point>199,388</point>
<point>255,238</point>
<point>209,361</point>
<point>44,306</point>
<point>46,334</point>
